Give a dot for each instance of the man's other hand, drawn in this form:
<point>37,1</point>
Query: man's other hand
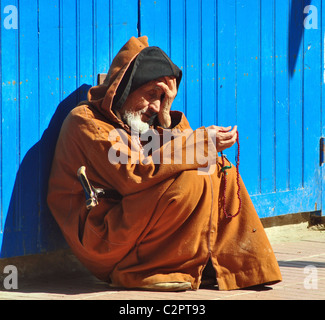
<point>170,91</point>
<point>223,137</point>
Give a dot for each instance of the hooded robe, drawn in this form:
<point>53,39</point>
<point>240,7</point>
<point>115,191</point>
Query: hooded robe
<point>167,221</point>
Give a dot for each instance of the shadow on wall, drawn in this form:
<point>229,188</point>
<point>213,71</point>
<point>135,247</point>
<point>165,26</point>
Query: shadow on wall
<point>29,227</point>
<point>296,31</point>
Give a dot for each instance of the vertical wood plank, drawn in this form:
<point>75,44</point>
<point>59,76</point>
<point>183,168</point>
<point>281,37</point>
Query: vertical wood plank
<point>282,96</point>
<point>248,102</point>
<point>312,109</point>
<point>124,22</point>
<point>10,120</point>
<point>177,49</point>
<point>28,174</point>
<point>102,37</point>
<point>85,45</point>
<point>68,45</point>
<point>267,96</point>
<point>158,33</point>
<point>50,95</point>
<point>322,15</point>
<point>295,61</point>
<point>49,60</point>
<point>193,62</point>
<point>227,67</point>
<point>209,63</point>
<point>1,105</point>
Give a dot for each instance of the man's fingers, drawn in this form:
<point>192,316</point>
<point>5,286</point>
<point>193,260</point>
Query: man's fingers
<point>228,135</point>
<point>169,88</point>
<point>222,145</point>
<point>171,81</point>
<point>225,138</point>
<point>223,129</point>
<point>227,129</point>
<point>162,85</point>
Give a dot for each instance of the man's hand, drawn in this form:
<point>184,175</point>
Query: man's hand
<point>223,136</point>
<point>170,91</point>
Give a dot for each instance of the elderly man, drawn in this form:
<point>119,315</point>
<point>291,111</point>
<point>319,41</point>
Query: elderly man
<point>164,221</point>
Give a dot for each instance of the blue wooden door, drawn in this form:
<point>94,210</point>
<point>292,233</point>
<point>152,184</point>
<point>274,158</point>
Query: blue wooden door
<point>254,63</point>
<point>247,62</point>
<point>51,53</point>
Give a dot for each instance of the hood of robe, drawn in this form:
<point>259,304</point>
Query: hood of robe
<point>133,66</point>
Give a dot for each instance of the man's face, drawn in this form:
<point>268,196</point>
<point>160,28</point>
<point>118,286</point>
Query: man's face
<point>142,106</point>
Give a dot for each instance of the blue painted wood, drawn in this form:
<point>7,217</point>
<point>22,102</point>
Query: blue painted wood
<point>68,48</point>
<point>102,38</point>
<point>209,65</point>
<point>87,61</point>
<point>323,104</point>
<point>49,60</point>
<point>260,88</point>
<point>50,79</point>
<point>312,109</point>
<point>267,97</point>
<point>2,218</point>
<point>247,83</point>
<point>227,67</point>
<point>281,97</point>
<point>193,40</point>
<point>27,181</point>
<point>124,23</point>
<point>244,62</point>
<point>10,120</point>
<point>177,48</point>
<point>295,56</point>
<point>156,32</point>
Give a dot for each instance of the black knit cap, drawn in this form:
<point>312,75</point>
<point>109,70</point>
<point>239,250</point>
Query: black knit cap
<point>150,64</point>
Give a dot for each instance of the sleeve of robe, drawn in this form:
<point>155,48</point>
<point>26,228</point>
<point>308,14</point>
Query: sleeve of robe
<point>102,236</point>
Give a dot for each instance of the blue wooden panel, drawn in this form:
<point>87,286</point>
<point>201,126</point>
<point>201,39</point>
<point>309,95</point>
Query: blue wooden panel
<point>1,84</point>
<point>86,63</point>
<point>312,109</point>
<point>227,70</point>
<point>68,48</point>
<point>28,76</point>
<point>49,60</point>
<point>281,96</point>
<point>193,40</point>
<point>280,203</point>
<point>323,104</point>
<point>49,94</point>
<point>295,58</point>
<point>10,120</point>
<point>177,48</point>
<point>209,63</point>
<point>102,35</point>
<point>123,22</point>
<point>267,97</point>
<point>27,180</point>
<point>248,102</point>
<point>158,33</point>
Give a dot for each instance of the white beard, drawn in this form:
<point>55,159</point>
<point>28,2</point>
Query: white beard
<point>133,119</point>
